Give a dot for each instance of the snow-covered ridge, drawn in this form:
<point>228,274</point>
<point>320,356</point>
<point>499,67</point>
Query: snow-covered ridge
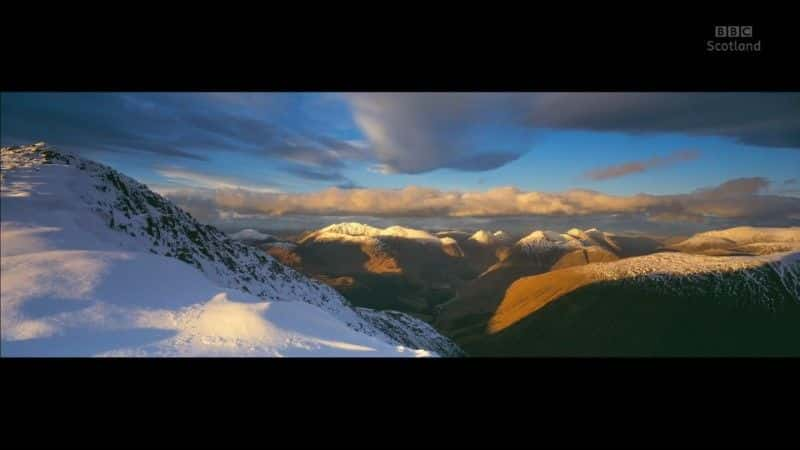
<point>574,238</point>
<point>675,263</point>
<point>351,229</point>
<point>743,237</point>
<point>545,239</point>
<point>746,235</point>
<point>667,267</point>
<point>80,205</point>
<point>361,233</point>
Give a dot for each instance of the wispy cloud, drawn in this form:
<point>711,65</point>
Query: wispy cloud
<point>621,170</point>
<point>183,178</point>
<point>175,125</point>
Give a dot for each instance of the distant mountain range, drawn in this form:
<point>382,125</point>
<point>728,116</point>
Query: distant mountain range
<point>393,268</point>
<point>572,293</point>
<point>665,303</point>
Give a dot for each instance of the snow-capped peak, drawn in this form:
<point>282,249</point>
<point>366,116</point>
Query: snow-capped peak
<point>483,237</point>
<point>358,232</point>
<point>546,239</point>
<point>408,233</point>
<point>249,234</point>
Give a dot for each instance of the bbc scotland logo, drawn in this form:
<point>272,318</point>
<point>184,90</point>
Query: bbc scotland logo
<point>733,38</point>
<point>733,31</point>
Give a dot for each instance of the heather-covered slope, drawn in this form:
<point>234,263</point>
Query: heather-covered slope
<point>665,304</point>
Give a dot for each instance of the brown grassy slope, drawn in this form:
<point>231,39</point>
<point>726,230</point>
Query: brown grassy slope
<point>526,295</point>
<point>567,313</point>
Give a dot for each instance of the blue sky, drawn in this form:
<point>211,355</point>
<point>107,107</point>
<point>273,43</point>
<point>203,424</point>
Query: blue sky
<point>304,143</point>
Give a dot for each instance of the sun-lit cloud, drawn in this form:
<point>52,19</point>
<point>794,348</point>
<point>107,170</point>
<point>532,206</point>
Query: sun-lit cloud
<point>738,198</point>
<point>620,170</point>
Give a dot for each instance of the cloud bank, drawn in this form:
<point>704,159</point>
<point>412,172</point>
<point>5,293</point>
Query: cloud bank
<point>738,198</point>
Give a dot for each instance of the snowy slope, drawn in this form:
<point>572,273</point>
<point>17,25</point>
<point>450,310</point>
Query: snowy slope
<point>104,229</point>
<point>763,280</point>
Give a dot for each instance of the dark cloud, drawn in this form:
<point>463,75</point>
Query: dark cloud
<point>621,170</point>
<point>311,173</point>
<point>770,119</point>
<point>183,125</point>
<point>94,122</point>
<point>420,132</point>
<point>484,161</point>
